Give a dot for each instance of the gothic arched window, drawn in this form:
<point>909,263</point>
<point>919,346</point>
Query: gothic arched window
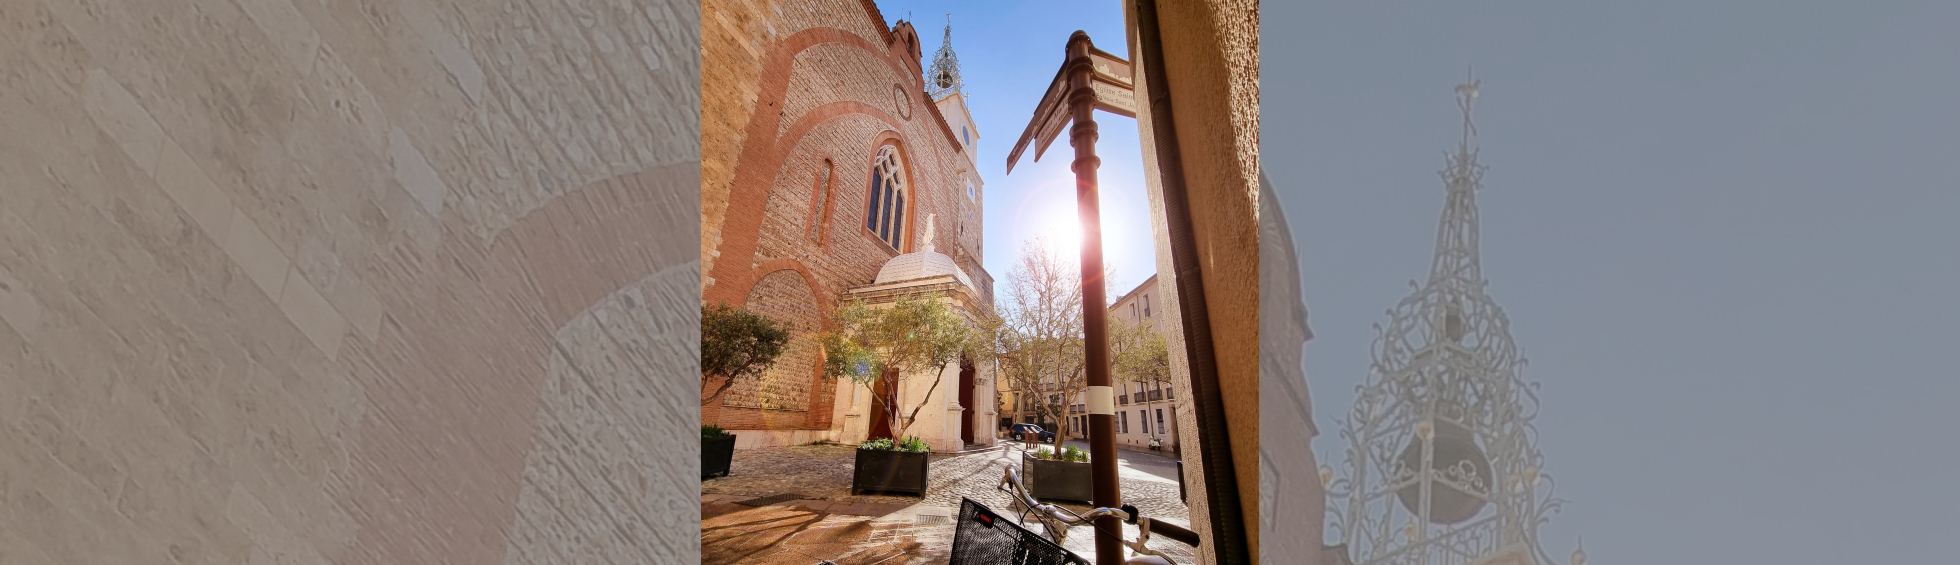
<point>887,214</point>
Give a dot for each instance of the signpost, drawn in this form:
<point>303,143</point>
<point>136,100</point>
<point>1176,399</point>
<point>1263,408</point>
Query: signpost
<point>1089,80</point>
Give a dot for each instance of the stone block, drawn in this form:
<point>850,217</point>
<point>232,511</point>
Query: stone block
<point>257,255</point>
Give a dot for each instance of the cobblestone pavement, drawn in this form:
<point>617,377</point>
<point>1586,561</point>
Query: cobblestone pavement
<point>819,472</point>
<point>827,518</point>
<point>797,534</point>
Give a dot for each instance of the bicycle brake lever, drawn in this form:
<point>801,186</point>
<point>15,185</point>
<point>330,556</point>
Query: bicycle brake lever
<point>1132,511</point>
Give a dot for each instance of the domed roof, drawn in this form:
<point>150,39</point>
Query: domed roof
<point>922,264</point>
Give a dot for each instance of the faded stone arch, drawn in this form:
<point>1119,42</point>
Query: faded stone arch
<point>614,439</point>
<point>785,296</point>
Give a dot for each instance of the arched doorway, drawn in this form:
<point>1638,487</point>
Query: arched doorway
<point>966,401</point>
<point>880,416</point>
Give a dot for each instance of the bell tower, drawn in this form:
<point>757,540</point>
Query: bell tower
<point>1443,466</point>
<point>944,87</point>
<point>943,77</point>
<point>948,93</point>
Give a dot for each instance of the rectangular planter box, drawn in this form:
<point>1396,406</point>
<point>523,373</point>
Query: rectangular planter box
<point>716,455</point>
<point>1058,480</point>
<point>890,472</point>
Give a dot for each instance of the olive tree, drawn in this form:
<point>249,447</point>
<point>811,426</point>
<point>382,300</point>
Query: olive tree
<point>737,344</point>
<point>915,337</point>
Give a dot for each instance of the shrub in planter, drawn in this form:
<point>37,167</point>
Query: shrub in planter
<point>891,467</point>
<point>717,451</point>
<point>1060,475</point>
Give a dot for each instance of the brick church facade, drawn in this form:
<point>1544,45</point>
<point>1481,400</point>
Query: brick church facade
<point>826,148</point>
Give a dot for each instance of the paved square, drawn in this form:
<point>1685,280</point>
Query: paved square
<point>799,509</point>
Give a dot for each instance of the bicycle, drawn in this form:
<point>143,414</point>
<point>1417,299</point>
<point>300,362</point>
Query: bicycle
<point>1056,521</point>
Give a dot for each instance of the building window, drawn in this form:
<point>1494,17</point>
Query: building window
<point>1160,419</point>
<point>971,195</point>
<point>963,138</point>
<point>1146,305</point>
<point>1143,416</point>
<point>886,218</point>
<point>817,210</point>
<point>1133,310</point>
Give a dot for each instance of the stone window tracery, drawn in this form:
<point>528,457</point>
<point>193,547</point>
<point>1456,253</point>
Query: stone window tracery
<point>886,218</point>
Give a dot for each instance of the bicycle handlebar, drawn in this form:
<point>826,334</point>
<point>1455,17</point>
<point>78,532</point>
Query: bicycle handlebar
<point>1174,532</point>
<point>1128,513</point>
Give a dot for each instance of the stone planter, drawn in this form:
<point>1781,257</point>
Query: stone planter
<point>1058,480</point>
<point>890,472</point>
<point>717,453</point>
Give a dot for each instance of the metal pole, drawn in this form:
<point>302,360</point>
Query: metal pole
<point>1095,322</point>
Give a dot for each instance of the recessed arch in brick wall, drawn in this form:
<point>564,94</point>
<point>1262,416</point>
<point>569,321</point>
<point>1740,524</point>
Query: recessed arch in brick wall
<point>784,296</point>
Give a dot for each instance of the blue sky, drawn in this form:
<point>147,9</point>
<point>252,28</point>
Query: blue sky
<point>1727,236</point>
<point>1008,54</point>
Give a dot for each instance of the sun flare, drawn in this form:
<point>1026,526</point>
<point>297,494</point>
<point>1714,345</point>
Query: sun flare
<point>1062,232</point>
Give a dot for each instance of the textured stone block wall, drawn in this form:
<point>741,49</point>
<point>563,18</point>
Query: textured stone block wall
<point>310,281</point>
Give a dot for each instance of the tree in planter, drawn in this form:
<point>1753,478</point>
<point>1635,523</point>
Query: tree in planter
<point>880,348</point>
<point>737,344</point>
<point>1070,453</point>
<point>1040,340</point>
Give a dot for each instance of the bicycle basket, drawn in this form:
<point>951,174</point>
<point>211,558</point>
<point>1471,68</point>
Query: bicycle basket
<point>984,537</point>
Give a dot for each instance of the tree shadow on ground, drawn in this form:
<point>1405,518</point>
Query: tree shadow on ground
<point>737,542</point>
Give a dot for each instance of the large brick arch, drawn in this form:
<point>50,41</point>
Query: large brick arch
<point>819,94</point>
<point>755,177</point>
<point>768,142</point>
<point>785,297</point>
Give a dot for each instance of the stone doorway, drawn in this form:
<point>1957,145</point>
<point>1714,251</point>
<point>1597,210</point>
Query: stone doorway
<point>966,401</point>
<point>880,419</point>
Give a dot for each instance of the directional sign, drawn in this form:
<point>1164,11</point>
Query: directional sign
<point>1115,85</point>
<point>1115,92</point>
<point>1049,117</point>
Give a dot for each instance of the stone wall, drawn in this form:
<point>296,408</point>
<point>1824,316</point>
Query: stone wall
<point>347,282</point>
<point>1211,59</point>
<point>800,96</point>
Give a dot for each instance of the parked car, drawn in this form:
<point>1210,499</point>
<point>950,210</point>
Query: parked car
<point>1022,433</point>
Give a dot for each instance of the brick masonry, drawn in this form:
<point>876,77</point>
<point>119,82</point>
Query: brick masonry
<point>347,282</point>
<point>793,90</point>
